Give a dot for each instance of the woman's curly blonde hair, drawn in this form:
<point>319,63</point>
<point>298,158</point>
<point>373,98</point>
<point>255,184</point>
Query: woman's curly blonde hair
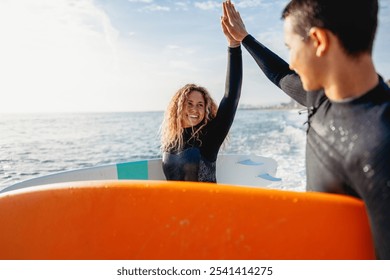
<point>172,127</point>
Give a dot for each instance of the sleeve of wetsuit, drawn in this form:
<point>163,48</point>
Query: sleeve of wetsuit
<point>228,106</point>
<point>276,69</point>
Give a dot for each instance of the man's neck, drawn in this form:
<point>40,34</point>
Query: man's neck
<point>350,78</point>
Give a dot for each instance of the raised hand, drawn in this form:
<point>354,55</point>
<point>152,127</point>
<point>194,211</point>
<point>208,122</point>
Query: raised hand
<point>232,22</point>
<point>224,19</point>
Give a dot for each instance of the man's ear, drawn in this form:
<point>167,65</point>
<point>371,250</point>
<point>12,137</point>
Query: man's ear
<point>320,40</point>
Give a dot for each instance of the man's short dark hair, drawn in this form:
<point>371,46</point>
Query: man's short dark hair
<point>353,22</point>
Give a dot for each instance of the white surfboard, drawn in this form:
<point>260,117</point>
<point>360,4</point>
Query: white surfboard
<point>243,170</point>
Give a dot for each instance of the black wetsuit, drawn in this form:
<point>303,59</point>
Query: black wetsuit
<point>348,143</point>
<point>197,160</point>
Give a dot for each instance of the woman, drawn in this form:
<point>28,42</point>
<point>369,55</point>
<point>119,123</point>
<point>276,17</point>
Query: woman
<point>194,128</point>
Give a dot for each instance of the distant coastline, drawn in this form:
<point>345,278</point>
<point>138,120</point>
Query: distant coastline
<point>281,106</point>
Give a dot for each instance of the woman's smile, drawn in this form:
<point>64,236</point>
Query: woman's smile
<point>194,110</point>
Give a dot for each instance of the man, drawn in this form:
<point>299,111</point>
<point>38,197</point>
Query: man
<point>332,73</point>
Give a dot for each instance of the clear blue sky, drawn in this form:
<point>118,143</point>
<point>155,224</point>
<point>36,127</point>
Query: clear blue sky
<point>132,55</point>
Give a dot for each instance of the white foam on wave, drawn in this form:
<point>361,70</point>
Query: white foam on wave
<point>280,135</point>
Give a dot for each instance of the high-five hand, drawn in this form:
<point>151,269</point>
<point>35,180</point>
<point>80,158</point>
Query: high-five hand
<point>232,22</point>
<point>224,24</point>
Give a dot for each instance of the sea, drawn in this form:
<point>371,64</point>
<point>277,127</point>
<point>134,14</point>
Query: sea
<point>33,144</point>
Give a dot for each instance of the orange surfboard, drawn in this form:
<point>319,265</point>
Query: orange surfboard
<point>103,220</point>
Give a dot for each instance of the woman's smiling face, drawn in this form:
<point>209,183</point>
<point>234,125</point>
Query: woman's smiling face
<point>194,109</point>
